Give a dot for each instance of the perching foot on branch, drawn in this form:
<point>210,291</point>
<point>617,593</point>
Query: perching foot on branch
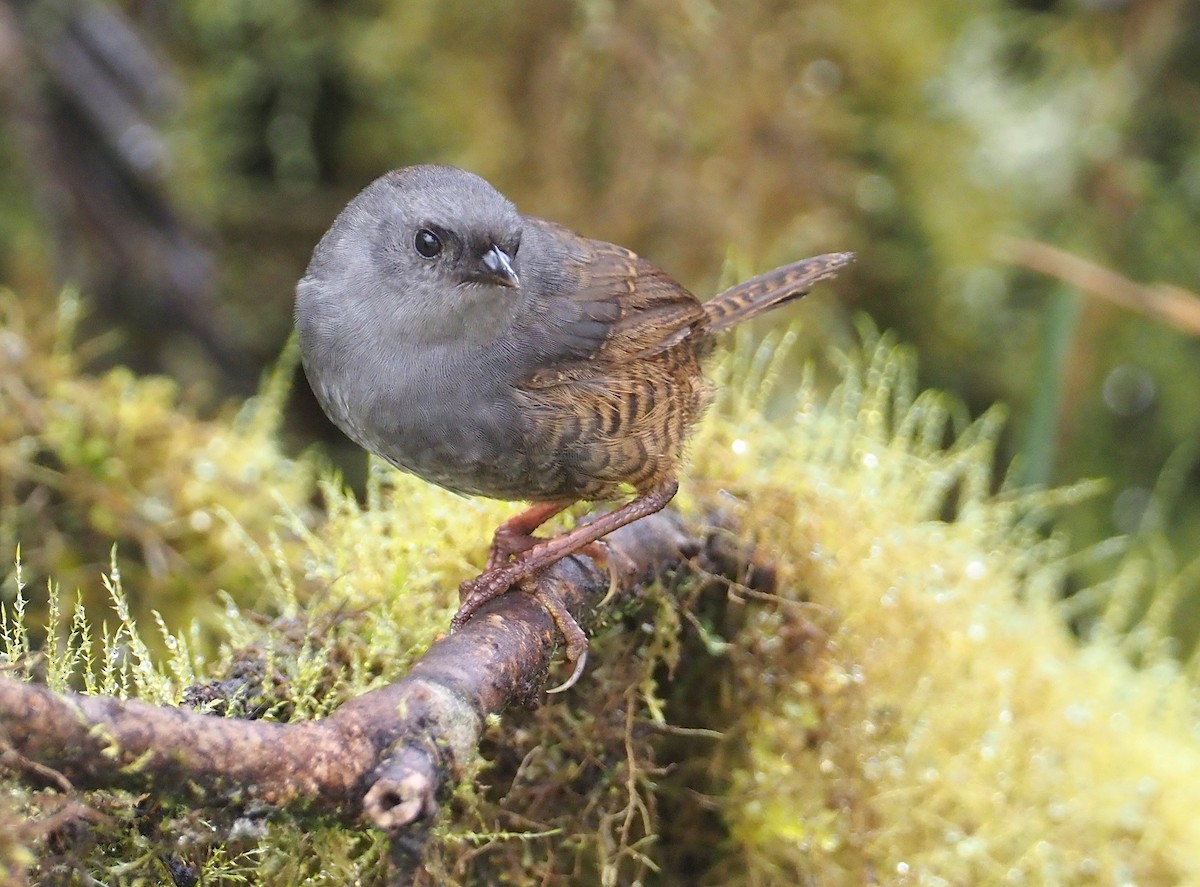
<point>387,758</point>
<point>495,581</point>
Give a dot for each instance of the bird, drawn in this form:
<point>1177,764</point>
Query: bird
<point>501,355</point>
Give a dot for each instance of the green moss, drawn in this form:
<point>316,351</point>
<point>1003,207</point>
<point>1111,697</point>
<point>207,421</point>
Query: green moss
<point>89,461</point>
<point>925,716</point>
<point>909,706</point>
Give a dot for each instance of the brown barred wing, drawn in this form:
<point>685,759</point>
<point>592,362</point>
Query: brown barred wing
<point>621,415</point>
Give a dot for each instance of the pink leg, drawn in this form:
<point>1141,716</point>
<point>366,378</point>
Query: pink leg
<point>474,593</point>
<point>515,535</point>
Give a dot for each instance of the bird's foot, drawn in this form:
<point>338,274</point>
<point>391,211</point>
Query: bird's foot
<point>545,594</point>
<point>519,567</point>
<point>487,586</point>
<point>523,568</point>
<point>490,585</point>
<point>619,565</point>
<point>507,546</point>
<point>515,536</point>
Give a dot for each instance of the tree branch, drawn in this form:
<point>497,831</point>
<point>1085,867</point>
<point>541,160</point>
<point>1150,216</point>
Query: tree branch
<point>386,758</point>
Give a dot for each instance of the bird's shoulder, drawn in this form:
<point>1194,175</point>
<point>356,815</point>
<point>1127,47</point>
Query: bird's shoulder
<point>610,302</point>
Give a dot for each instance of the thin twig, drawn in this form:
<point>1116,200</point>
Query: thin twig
<point>1165,302</point>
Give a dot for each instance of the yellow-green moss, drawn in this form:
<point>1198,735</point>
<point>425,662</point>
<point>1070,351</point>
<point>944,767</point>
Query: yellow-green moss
<point>945,727</point>
<point>909,707</point>
<point>87,462</point>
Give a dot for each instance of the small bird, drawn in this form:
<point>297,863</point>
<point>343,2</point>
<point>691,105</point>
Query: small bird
<point>498,354</point>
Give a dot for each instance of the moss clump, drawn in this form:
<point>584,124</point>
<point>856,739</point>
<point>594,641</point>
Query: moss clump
<point>907,706</point>
<point>926,717</point>
<point>87,462</point>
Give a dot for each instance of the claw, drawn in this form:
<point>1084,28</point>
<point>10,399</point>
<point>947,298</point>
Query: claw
<point>474,593</point>
<point>618,564</point>
<point>577,642</point>
<point>570,682</point>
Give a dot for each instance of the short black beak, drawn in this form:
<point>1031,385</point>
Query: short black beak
<point>496,267</point>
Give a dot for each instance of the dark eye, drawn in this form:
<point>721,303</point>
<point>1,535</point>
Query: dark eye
<point>427,243</point>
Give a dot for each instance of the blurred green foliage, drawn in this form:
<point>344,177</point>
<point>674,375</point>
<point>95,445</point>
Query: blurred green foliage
<point>88,463</point>
<point>912,133</point>
<point>709,136</point>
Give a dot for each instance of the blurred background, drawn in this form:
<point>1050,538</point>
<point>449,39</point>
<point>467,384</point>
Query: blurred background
<point>1021,182</point>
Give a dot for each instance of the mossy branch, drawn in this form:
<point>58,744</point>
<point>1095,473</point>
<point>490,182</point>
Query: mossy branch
<point>387,757</point>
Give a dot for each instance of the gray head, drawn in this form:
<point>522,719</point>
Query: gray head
<point>417,274</point>
<point>415,251</point>
<point>442,224</point>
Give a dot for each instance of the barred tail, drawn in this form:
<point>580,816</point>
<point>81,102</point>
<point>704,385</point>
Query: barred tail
<point>770,290</point>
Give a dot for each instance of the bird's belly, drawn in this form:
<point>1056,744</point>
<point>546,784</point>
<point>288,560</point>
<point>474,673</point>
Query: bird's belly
<point>486,452</point>
<point>474,448</point>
